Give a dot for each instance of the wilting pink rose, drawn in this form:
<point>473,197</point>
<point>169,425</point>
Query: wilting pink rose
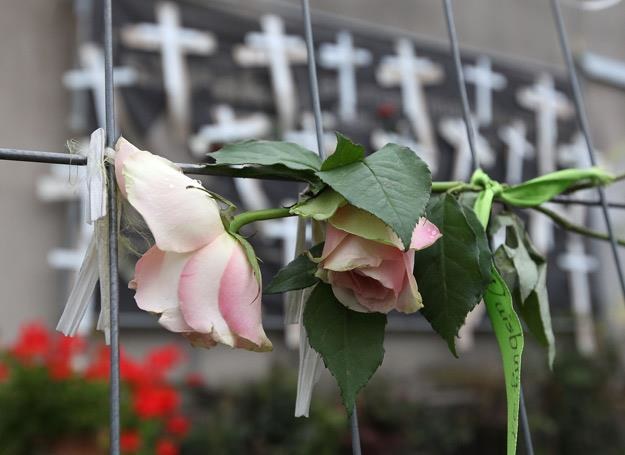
<point>197,276</point>
<point>372,275</point>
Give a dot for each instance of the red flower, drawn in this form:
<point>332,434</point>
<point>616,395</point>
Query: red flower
<point>178,425</point>
<point>59,359</point>
<point>129,441</point>
<point>195,380</point>
<point>33,341</point>
<point>4,372</point>
<point>166,447</point>
<point>159,361</point>
<point>155,401</point>
<point>100,367</point>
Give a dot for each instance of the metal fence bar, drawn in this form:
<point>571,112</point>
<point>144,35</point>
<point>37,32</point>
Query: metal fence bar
<point>462,89</point>
<point>42,157</point>
<point>455,50</point>
<point>313,86</point>
<point>582,118</point>
<point>111,136</point>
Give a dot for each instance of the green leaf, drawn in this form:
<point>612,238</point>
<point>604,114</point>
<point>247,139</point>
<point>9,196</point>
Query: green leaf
<point>514,249</point>
<point>541,189</point>
<point>453,273</point>
<point>346,152</point>
<point>509,334</point>
<point>350,343</point>
<point>251,256</point>
<point>393,184</point>
<point>268,153</point>
<point>320,207</point>
<point>524,270</point>
<point>273,172</point>
<point>297,274</point>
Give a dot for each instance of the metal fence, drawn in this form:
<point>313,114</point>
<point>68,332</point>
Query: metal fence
<point>111,136</point>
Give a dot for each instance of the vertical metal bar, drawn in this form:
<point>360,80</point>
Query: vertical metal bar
<point>313,85</point>
<point>582,118</point>
<point>455,50</point>
<point>314,94</point>
<point>527,435</point>
<point>111,135</point>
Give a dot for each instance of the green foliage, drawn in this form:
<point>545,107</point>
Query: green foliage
<point>257,419</point>
<point>320,207</point>
<point>524,270</point>
<point>268,153</point>
<point>393,184</point>
<point>270,159</point>
<point>38,410</point>
<point>350,343</point>
<point>453,273</point>
<point>346,153</point>
<point>297,274</point>
<point>541,189</point>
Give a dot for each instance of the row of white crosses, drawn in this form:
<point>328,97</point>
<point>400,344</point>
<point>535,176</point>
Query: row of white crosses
<point>277,51</point>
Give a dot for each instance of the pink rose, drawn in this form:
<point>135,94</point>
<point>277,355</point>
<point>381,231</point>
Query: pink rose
<point>197,276</point>
<point>365,263</point>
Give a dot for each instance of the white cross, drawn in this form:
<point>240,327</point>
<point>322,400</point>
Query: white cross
<point>485,80</point>
<point>518,149</point>
<point>276,50</point>
<point>174,43</point>
<point>228,128</point>
<point>549,105</point>
<point>454,131</point>
<point>379,138</point>
<point>343,57</point>
<point>578,265</point>
<point>91,76</point>
<point>575,154</point>
<point>307,136</point>
<point>412,73</point>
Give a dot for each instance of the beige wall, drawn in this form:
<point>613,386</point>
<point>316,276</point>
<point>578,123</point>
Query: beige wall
<point>35,44</point>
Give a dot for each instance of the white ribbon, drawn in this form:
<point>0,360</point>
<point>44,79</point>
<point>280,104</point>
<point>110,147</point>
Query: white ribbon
<point>95,263</point>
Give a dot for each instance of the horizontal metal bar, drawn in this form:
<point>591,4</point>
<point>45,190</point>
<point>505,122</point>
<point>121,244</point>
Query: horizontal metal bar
<point>187,168</point>
<point>201,169</point>
<point>42,157</point>
<point>595,202</point>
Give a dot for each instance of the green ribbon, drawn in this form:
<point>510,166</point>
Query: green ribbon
<point>535,191</point>
<point>506,324</point>
<point>498,300</point>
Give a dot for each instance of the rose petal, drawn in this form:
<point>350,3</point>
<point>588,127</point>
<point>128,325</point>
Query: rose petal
<point>210,292</point>
<point>360,294</point>
<point>182,219</point>
<point>124,149</point>
<point>240,300</point>
<point>363,224</point>
<point>409,299</point>
<point>347,298</point>
<point>200,340</point>
<point>425,234</point>
<point>157,275</point>
<point>333,239</point>
<point>198,290</point>
<point>173,321</point>
<point>354,252</point>
<point>390,274</point>
<point>362,286</point>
